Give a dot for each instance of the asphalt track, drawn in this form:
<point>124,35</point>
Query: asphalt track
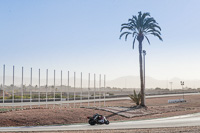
<point>177,121</point>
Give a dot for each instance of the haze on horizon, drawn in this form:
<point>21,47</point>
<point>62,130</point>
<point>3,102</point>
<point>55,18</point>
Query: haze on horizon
<point>83,36</point>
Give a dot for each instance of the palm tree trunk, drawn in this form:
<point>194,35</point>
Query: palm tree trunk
<point>141,74</point>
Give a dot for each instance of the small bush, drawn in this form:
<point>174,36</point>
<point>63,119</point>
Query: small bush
<point>136,98</point>
<point>57,96</point>
<point>10,97</point>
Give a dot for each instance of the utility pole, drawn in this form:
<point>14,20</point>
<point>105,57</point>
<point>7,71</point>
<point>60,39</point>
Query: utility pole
<point>144,54</point>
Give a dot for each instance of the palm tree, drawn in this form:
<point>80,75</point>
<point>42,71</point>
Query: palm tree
<point>139,27</point>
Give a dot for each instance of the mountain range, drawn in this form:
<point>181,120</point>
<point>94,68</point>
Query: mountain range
<point>134,82</point>
<point>121,82</point>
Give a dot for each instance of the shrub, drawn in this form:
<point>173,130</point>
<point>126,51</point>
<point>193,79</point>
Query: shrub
<point>157,88</point>
<point>136,98</point>
<point>57,96</point>
<point>10,97</point>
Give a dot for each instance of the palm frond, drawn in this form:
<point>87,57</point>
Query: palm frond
<point>134,33</point>
<point>132,22</point>
<point>154,26</point>
<point>140,20</point>
<point>127,36</point>
<point>125,24</point>
<point>125,27</point>
<point>154,31</point>
<point>136,22</point>
<point>142,24</point>
<point>155,34</point>
<point>144,15</point>
<point>148,22</point>
<point>124,34</point>
<point>134,41</point>
<point>147,39</point>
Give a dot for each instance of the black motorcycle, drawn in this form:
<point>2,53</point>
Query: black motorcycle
<point>97,119</point>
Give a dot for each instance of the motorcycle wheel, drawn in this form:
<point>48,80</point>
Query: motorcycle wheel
<point>91,122</point>
<point>107,122</point>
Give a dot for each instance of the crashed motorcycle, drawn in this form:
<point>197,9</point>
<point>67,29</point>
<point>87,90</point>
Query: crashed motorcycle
<point>97,119</point>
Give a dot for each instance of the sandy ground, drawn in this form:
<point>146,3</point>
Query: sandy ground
<point>152,130</point>
<point>157,107</point>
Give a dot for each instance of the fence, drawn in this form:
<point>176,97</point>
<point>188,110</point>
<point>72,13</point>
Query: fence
<point>67,93</point>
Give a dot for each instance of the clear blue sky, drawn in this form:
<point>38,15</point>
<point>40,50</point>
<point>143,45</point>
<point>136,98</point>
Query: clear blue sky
<point>83,35</point>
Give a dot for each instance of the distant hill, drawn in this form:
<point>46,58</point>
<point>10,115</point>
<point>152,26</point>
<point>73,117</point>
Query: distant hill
<point>121,82</point>
<point>134,82</point>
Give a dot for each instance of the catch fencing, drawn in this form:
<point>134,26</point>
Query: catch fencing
<point>37,91</point>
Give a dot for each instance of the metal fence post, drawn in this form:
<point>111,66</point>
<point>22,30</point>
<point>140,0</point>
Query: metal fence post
<point>94,88</point>
<point>3,83</point>
<point>54,87</point>
<point>39,89</point>
<point>99,90</point>
<point>61,89</point>
<point>22,87</point>
<point>46,86</point>
<point>31,89</point>
<point>88,89</point>
<point>13,96</point>
<point>68,89</point>
<point>74,88</point>
<point>104,90</point>
<point>81,98</point>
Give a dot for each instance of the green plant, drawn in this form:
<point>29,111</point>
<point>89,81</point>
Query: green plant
<point>157,88</point>
<point>35,96</point>
<point>10,97</point>
<point>57,96</point>
<point>5,109</point>
<point>136,98</point>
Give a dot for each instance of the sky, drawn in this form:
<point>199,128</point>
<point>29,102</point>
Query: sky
<point>83,36</point>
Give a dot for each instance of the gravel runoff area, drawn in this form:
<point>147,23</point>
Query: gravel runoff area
<point>195,129</point>
<point>157,108</point>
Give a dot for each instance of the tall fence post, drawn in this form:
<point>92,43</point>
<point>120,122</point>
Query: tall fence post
<point>39,88</point>
<point>54,95</point>
<point>94,89</point>
<point>74,88</point>
<point>61,89</point>
<point>31,89</point>
<point>81,91</point>
<point>46,86</point>
<point>88,89</point>
<point>13,96</point>
<point>68,89</point>
<point>104,90</point>
<point>22,87</point>
<point>99,90</point>
<point>3,83</point>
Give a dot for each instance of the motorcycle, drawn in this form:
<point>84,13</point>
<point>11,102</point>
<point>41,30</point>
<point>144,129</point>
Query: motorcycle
<point>97,119</point>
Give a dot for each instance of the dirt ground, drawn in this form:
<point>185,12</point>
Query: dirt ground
<point>195,129</point>
<point>158,107</point>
